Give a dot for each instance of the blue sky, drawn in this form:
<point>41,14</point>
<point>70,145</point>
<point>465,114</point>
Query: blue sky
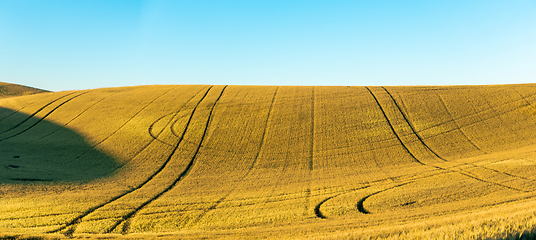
<point>82,44</point>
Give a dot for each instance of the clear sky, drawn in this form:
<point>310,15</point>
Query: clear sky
<point>82,44</point>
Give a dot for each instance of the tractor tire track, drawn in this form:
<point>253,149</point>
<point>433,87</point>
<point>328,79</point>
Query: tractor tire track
<point>411,125</point>
<point>77,116</point>
<point>156,136</point>
<point>163,129</point>
<point>430,149</point>
<point>127,217</point>
<point>412,178</point>
<point>311,152</point>
<point>34,113</point>
<point>175,116</point>
<point>253,164</point>
<point>482,111</point>
<point>523,97</point>
<point>393,129</point>
<point>458,126</point>
<point>418,161</point>
<point>130,119</point>
<point>36,216</point>
<point>359,204</point>
<point>263,137</point>
<point>317,210</point>
<point>257,199</point>
<point>41,119</point>
<point>123,125</point>
<point>78,219</point>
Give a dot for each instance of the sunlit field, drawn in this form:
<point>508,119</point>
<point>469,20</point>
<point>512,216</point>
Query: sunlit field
<point>199,161</point>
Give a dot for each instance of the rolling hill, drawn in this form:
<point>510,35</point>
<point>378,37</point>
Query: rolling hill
<point>197,161</point>
<point>13,90</point>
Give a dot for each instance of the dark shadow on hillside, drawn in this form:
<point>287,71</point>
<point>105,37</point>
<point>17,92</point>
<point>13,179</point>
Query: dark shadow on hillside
<point>526,235</point>
<point>34,150</point>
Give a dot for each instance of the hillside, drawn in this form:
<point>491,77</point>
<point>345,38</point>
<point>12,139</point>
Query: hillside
<point>270,162</point>
<point>13,90</point>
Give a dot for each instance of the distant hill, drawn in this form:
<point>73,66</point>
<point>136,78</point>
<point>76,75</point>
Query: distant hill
<point>12,90</point>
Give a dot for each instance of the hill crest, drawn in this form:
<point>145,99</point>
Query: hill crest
<point>13,90</point>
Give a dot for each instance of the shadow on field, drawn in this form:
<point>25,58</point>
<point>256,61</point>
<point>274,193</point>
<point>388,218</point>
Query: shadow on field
<point>34,150</point>
<point>526,235</point>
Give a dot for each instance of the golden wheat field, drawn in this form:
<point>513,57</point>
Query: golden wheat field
<point>199,161</point>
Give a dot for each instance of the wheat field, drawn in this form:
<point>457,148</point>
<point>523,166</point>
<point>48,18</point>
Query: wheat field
<point>200,161</point>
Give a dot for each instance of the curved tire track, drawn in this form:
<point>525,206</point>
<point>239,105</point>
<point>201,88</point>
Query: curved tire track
<point>360,206</point>
<point>360,203</point>
<point>253,164</point>
<point>180,109</point>
<point>128,216</point>
<point>156,137</point>
<point>417,160</point>
<point>130,119</point>
<point>412,178</point>
<point>430,149</point>
<point>72,224</point>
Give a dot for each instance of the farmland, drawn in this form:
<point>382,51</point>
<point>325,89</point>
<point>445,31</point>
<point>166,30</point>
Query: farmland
<point>195,161</point>
<point>11,90</point>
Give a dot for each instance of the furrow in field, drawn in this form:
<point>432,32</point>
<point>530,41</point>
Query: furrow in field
<point>250,169</point>
<point>72,224</point>
<point>184,173</point>
<point>40,119</point>
<point>34,113</point>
